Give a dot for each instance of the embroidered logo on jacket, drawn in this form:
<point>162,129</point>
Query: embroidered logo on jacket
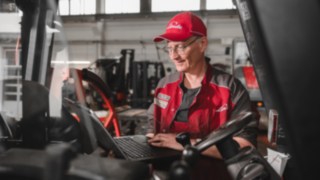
<point>163,104</point>
<point>222,108</point>
<point>162,100</point>
<point>163,96</point>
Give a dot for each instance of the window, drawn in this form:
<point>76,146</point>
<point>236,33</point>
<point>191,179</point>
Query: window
<point>64,7</point>
<point>175,5</point>
<point>77,7</point>
<point>122,6</point>
<point>220,4</point>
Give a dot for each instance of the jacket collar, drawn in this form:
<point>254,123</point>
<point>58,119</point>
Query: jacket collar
<point>207,78</point>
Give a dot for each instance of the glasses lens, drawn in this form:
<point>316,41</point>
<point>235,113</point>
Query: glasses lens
<point>162,46</point>
<point>178,49</point>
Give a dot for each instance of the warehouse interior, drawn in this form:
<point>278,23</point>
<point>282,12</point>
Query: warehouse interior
<point>77,75</point>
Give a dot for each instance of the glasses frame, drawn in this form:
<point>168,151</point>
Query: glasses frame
<point>180,49</point>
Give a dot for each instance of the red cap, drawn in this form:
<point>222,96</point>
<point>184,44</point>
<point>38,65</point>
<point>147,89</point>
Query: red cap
<point>182,26</point>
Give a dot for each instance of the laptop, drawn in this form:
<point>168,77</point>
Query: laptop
<point>133,147</point>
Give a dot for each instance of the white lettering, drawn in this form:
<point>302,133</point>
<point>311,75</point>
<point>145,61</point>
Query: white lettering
<point>174,25</point>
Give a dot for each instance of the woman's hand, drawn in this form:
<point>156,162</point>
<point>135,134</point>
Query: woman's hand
<point>165,140</point>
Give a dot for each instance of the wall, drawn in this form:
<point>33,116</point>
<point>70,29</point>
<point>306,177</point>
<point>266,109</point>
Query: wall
<point>91,40</point>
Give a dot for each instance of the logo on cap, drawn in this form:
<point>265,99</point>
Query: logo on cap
<point>174,25</point>
<point>182,26</point>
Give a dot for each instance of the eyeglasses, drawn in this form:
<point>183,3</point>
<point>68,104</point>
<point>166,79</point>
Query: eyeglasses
<point>179,49</point>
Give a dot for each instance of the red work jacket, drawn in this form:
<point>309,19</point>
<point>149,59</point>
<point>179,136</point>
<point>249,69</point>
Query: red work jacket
<point>219,97</point>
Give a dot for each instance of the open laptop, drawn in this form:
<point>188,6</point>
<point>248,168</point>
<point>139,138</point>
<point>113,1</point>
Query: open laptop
<point>133,148</point>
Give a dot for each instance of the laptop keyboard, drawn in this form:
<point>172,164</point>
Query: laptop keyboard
<point>134,149</point>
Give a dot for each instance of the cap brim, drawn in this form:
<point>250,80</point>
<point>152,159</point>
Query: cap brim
<point>172,37</point>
